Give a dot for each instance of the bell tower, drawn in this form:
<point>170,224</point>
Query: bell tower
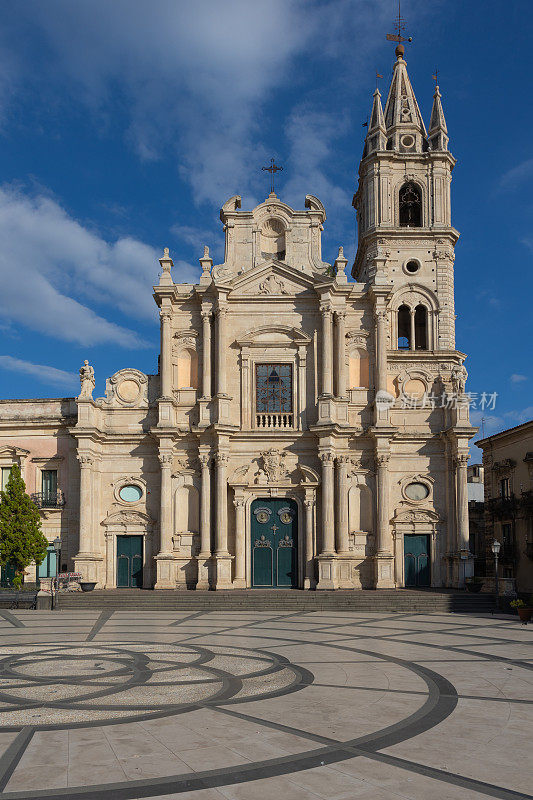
<point>405,232</point>
<point>405,257</point>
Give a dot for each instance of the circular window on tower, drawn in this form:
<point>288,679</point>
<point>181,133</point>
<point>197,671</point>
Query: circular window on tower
<point>130,493</point>
<point>407,141</point>
<point>412,267</point>
<point>416,491</point>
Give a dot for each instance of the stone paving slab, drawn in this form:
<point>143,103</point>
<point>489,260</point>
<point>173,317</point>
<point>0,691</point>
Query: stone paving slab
<point>261,705</point>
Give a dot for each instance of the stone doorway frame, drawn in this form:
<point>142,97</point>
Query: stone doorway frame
<point>128,523</point>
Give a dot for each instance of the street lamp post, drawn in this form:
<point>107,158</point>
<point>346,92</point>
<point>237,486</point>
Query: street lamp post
<point>57,548</point>
<point>496,551</point>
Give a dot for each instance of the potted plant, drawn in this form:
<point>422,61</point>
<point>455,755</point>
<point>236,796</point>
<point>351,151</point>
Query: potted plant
<point>474,584</point>
<point>524,612</point>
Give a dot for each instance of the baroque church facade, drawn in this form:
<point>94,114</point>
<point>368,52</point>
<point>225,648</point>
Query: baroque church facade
<point>303,430</point>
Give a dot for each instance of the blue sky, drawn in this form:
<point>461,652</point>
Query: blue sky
<point>126,124</point>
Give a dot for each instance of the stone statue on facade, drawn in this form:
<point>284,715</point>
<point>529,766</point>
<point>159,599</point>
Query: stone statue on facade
<point>87,382</point>
<point>458,379</point>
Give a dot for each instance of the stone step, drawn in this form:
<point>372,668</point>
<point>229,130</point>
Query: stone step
<point>406,601</point>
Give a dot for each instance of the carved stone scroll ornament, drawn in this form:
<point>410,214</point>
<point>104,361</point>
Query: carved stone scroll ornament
<point>272,285</point>
<point>274,469</point>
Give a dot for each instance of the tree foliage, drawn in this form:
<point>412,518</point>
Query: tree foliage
<point>21,538</point>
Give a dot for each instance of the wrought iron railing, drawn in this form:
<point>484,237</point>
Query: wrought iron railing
<point>503,506</point>
<point>274,421</point>
<point>49,499</point>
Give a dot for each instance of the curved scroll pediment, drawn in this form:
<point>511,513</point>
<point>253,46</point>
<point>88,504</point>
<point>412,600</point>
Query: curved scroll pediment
<point>128,518</point>
<point>417,515</point>
<point>274,334</point>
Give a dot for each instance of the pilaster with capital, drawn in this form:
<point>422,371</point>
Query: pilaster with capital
<point>88,562</point>
<point>342,462</point>
<point>222,557</point>
<point>461,479</point>
<point>309,506</point>
<point>221,320</point>
<point>166,578</point>
<point>239,581</point>
<point>328,523</point>
<point>384,557</point>
<point>327,349</point>
<point>165,514</point>
<point>340,340</point>
<point>380,320</point>
<point>206,353</point>
<point>165,315</point>
<point>204,556</point>
<point>86,465</point>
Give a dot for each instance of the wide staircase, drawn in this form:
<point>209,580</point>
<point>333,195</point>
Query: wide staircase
<point>380,600</point>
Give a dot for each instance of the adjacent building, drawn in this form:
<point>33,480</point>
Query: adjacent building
<point>303,430</point>
<point>508,468</point>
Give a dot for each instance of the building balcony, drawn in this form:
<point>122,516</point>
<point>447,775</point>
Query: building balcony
<point>49,499</point>
<point>503,507</point>
<point>275,421</point>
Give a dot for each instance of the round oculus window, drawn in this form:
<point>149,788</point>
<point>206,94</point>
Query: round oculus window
<point>412,267</point>
<point>408,141</point>
<point>416,491</point>
<point>130,493</point>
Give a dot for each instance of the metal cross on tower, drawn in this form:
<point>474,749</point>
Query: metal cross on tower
<point>400,23</point>
<point>273,168</point>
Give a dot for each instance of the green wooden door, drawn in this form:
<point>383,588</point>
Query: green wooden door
<point>129,562</point>
<point>417,560</point>
<point>274,543</point>
<point>7,575</point>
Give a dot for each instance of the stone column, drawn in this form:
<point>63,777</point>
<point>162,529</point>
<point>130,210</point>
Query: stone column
<point>221,350</point>
<point>86,505</point>
<point>204,556</point>
<point>223,558</point>
<point>384,556</point>
<point>88,561</point>
<point>165,515</point>
<point>165,575</point>
<point>342,504</point>
<point>165,366</point>
<point>412,342</point>
<point>239,581</point>
<point>380,318</point>
<point>206,354</point>
<point>327,350</point>
<point>461,463</point>
<point>340,319</point>
<point>328,526</point>
<point>309,577</point>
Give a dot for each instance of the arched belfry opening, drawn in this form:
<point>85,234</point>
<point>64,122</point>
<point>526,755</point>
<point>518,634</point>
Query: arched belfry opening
<point>410,206</point>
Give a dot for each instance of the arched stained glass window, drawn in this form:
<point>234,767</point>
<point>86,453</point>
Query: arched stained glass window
<point>273,384</point>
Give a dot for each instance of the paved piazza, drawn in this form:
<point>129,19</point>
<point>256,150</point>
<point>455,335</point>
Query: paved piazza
<point>246,705</point>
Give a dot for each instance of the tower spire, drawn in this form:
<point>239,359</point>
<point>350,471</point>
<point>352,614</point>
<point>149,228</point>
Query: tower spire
<point>403,121</point>
<point>376,138</point>
<point>438,132</point>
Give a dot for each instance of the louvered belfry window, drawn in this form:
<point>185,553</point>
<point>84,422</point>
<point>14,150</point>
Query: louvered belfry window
<point>273,383</point>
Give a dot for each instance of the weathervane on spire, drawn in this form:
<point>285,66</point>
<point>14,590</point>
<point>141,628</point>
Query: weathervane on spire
<point>436,78</point>
<point>273,168</point>
<point>397,37</point>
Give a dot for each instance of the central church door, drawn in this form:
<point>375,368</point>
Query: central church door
<point>274,543</point>
<point>129,562</point>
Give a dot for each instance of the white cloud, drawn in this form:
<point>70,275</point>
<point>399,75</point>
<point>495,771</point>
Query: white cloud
<point>517,175</point>
<point>41,372</point>
<point>311,135</point>
<point>518,417</point>
<point>48,260</point>
<point>517,378</point>
<point>195,77</point>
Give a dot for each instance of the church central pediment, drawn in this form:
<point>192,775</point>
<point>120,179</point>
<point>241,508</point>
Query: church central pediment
<point>271,279</point>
